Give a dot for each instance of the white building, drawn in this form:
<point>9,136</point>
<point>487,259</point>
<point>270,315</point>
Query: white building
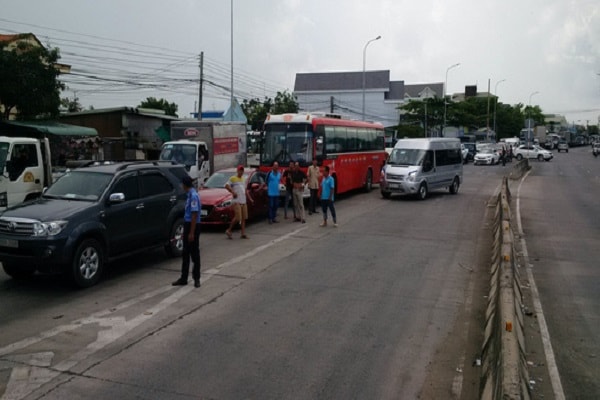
<point>342,93</point>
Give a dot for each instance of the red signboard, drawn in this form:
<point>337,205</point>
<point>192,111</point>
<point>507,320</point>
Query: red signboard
<point>226,145</point>
<point>190,132</point>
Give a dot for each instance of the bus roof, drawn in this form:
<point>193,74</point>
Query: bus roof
<point>319,119</point>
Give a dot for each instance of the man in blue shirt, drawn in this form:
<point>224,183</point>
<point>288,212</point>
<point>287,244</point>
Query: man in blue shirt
<point>327,190</point>
<point>191,234</point>
<point>273,179</point>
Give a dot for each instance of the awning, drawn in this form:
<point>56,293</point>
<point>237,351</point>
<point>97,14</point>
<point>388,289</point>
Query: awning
<point>45,127</point>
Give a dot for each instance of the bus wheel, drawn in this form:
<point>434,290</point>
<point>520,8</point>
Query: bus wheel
<point>422,193</point>
<point>369,181</point>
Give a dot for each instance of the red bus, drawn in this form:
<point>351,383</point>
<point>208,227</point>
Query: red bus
<point>353,150</point>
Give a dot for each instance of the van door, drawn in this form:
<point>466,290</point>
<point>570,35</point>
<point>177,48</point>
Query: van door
<point>25,172</point>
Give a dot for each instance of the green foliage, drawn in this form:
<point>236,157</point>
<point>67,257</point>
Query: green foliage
<point>71,105</point>
<point>471,114</point>
<point>30,82</point>
<point>160,104</point>
<point>256,110</point>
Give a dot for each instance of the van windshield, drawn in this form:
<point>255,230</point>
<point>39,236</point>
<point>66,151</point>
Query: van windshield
<point>406,157</point>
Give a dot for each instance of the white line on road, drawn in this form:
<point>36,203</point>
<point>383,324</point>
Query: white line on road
<point>537,305</point>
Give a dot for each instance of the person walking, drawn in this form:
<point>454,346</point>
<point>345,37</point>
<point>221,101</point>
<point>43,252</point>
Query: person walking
<point>289,191</point>
<point>273,179</point>
<point>313,175</point>
<point>298,181</point>
<point>327,189</point>
<point>191,234</point>
<point>236,185</point>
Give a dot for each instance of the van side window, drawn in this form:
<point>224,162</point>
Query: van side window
<point>428,161</point>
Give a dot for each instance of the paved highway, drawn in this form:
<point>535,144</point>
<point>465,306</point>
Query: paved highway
<point>388,305</point>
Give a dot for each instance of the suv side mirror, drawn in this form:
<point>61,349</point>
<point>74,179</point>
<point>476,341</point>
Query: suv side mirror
<point>116,198</point>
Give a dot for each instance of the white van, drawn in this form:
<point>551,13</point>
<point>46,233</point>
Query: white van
<point>417,166</point>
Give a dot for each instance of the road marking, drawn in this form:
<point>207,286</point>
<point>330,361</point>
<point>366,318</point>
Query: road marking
<point>251,253</point>
<point>25,379</point>
<point>537,305</point>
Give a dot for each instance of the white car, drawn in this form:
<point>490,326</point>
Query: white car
<point>487,156</point>
<point>533,151</point>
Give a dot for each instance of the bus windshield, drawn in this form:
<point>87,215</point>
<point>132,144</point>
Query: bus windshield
<point>285,143</point>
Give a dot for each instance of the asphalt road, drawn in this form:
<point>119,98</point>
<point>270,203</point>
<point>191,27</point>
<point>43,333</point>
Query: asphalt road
<point>389,305</point>
<point>561,224</point>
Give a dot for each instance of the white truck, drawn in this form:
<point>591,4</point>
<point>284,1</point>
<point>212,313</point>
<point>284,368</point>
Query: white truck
<point>205,147</point>
<point>25,168</point>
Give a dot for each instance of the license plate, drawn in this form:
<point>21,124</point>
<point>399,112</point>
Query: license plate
<point>203,212</point>
<point>9,243</point>
<point>394,185</point>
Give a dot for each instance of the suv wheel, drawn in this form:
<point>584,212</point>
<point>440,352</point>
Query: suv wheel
<point>175,246</point>
<point>17,272</point>
<point>519,157</point>
<point>88,263</point>
<point>540,157</point>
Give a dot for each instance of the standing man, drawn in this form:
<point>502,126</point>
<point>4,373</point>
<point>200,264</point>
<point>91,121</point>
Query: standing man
<point>313,175</point>
<point>298,181</point>
<point>236,185</point>
<point>273,179</point>
<point>191,235</point>
<point>327,189</point>
<point>289,190</point>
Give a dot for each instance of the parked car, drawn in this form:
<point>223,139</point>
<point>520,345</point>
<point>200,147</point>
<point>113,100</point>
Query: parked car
<point>464,153</point>
<point>563,146</point>
<point>217,205</point>
<point>470,146</point>
<point>92,215</point>
<point>533,151</point>
<point>487,156</point>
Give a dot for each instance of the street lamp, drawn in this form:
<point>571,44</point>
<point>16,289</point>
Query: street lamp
<point>529,134</point>
<point>364,74</point>
<point>496,103</point>
<point>445,102</point>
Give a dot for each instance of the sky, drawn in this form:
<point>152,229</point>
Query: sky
<point>538,52</point>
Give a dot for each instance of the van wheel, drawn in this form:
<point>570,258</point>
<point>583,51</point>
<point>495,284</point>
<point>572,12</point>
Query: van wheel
<point>422,193</point>
<point>18,272</point>
<point>369,182</point>
<point>454,187</point>
<point>88,263</point>
<point>386,195</point>
<point>175,246</point>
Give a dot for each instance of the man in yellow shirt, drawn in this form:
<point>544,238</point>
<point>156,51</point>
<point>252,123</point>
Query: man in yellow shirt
<point>313,174</point>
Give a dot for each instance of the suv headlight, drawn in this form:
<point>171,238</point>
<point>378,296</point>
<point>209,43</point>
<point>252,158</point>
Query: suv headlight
<point>51,228</point>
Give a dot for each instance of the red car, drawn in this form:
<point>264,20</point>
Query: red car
<point>217,201</point>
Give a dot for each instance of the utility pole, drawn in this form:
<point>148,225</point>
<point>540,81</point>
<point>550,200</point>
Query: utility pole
<point>487,122</point>
<point>201,86</point>
<point>331,105</point>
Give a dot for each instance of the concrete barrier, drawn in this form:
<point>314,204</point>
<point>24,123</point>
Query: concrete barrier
<point>519,169</point>
<point>504,368</point>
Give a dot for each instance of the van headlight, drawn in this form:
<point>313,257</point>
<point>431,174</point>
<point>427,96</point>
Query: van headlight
<point>51,228</point>
<point>411,176</point>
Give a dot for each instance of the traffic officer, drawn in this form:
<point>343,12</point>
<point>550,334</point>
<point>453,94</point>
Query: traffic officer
<point>191,234</point>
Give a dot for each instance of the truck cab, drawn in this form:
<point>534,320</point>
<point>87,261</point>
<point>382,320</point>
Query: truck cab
<point>192,154</point>
<point>24,169</point>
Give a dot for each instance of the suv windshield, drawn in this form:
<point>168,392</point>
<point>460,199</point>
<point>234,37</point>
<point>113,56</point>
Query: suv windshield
<point>79,185</point>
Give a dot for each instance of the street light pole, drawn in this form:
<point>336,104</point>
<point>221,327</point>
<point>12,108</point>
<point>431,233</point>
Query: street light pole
<point>364,74</point>
<point>445,102</point>
<point>496,103</point>
<point>529,134</point>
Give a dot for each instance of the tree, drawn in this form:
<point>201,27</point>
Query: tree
<point>256,110</point>
<point>71,105</point>
<point>427,113</point>
<point>30,82</point>
<point>160,104</point>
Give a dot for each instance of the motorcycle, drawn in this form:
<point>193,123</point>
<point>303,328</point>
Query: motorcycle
<point>596,149</point>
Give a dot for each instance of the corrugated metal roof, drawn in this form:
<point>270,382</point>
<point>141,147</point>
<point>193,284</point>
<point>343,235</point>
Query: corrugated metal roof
<point>50,127</point>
